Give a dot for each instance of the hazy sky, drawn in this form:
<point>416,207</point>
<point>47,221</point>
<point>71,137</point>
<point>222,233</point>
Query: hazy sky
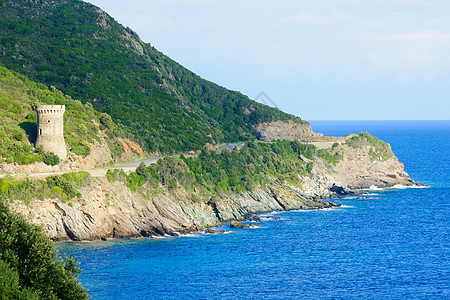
<point>320,60</point>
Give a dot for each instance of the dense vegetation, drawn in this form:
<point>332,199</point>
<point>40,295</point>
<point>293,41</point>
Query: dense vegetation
<point>255,164</point>
<point>29,266</point>
<point>63,187</point>
<point>83,52</point>
<point>19,95</point>
<point>381,150</point>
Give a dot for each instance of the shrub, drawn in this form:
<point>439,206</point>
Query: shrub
<point>328,157</point>
<point>50,159</point>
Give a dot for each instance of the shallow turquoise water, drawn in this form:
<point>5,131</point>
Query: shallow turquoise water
<point>394,245</point>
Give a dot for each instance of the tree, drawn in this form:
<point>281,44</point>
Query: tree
<point>29,266</point>
<point>106,120</point>
<point>142,170</point>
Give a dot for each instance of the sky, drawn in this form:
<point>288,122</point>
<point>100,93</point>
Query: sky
<point>320,60</point>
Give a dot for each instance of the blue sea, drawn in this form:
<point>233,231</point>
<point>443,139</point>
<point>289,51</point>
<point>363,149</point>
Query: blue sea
<point>393,245</point>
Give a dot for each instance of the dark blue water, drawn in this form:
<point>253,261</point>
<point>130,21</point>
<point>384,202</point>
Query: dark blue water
<point>394,245</point>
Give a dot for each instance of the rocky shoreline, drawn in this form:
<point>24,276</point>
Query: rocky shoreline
<point>132,215</point>
<point>111,210</point>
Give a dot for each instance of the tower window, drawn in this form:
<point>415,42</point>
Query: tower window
<point>40,131</point>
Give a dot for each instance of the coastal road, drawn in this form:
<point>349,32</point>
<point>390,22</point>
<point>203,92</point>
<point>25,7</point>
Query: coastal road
<point>128,167</point>
<point>153,160</point>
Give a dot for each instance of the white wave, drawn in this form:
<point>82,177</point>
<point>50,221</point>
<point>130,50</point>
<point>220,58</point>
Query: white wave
<point>345,206</point>
<point>158,237</point>
<point>190,235</point>
<point>266,215</point>
<point>326,209</point>
<point>401,186</point>
<point>395,187</point>
<point>375,188</point>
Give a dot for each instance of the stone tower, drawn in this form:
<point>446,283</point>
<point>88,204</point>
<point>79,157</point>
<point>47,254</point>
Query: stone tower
<point>50,130</point>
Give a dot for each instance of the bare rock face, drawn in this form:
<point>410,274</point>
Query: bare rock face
<point>281,130</point>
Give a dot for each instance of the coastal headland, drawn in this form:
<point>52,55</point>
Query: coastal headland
<point>107,206</point>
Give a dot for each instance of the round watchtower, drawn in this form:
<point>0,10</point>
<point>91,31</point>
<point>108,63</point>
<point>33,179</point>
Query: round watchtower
<point>50,129</point>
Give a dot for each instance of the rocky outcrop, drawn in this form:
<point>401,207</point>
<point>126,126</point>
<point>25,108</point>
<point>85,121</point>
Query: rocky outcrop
<point>357,169</point>
<point>281,130</point>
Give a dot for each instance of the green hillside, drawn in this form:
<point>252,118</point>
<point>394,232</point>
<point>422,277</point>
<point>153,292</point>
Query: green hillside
<point>19,95</point>
<point>86,54</point>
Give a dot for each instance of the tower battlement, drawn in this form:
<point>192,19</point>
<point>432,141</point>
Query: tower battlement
<point>50,109</point>
<point>50,129</point>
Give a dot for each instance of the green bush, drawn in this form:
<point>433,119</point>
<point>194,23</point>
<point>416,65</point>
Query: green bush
<point>50,159</point>
<point>226,171</point>
<point>10,285</point>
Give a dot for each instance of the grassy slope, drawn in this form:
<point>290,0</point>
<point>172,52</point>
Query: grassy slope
<point>86,54</point>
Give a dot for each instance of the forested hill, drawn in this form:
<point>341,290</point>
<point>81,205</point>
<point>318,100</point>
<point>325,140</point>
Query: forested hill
<point>86,54</point>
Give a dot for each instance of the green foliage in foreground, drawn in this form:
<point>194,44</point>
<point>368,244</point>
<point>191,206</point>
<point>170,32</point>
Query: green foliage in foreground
<point>255,164</point>
<point>18,97</point>
<point>85,53</point>
<point>29,267</point>
<point>381,150</point>
<point>64,187</point>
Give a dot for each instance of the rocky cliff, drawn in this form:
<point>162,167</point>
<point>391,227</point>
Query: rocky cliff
<point>284,130</point>
<point>112,210</point>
